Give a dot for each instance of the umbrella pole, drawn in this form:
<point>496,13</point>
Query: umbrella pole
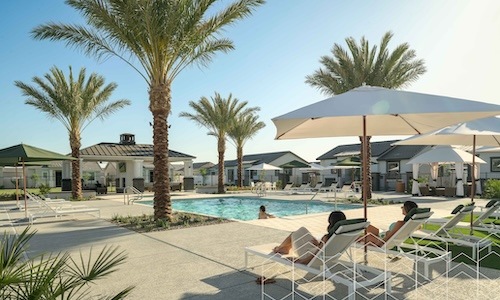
<point>25,195</point>
<point>473,177</point>
<point>365,184</point>
<point>17,189</point>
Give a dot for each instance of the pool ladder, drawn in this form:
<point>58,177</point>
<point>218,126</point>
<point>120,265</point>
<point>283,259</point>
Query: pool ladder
<point>131,194</point>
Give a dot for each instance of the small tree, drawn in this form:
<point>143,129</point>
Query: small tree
<point>203,173</point>
<point>35,179</point>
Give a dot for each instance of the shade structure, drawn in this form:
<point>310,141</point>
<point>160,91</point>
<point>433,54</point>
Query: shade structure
<point>264,167</point>
<point>480,132</point>
<point>445,155</point>
<point>371,111</point>
<point>19,154</point>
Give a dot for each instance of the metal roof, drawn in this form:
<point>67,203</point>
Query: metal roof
<point>400,152</point>
<point>378,148</point>
<point>120,150</point>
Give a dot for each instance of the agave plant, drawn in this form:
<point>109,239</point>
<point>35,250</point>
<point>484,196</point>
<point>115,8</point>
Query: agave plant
<point>52,276</point>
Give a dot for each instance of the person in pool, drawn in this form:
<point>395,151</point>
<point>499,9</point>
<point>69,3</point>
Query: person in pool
<point>263,214</point>
<point>304,244</point>
<point>375,237</point>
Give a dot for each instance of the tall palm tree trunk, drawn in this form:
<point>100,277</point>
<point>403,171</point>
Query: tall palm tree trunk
<point>76,182</point>
<point>239,153</point>
<point>221,148</point>
<point>159,97</point>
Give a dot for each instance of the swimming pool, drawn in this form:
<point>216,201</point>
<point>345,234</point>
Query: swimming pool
<point>247,208</point>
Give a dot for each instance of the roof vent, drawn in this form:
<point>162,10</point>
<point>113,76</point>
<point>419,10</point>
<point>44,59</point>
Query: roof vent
<point>127,139</point>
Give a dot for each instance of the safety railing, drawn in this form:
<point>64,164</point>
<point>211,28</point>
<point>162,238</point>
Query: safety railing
<point>131,194</point>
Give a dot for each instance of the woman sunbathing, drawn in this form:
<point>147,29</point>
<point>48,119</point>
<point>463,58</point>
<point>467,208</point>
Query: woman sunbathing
<point>304,244</point>
<point>377,238</point>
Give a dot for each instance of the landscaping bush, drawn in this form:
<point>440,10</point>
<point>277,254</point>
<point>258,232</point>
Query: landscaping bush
<point>492,189</point>
<point>44,189</point>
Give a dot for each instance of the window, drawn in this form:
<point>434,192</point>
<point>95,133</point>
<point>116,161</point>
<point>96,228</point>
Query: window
<point>393,169</point>
<point>230,175</point>
<point>122,167</point>
<point>495,164</point>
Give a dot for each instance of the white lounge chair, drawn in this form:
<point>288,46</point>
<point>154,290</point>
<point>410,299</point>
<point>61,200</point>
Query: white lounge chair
<point>491,207</point>
<point>58,210</point>
<point>397,247</point>
<point>326,262</point>
<point>448,233</point>
<point>301,188</point>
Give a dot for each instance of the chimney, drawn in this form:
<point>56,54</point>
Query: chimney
<point>127,139</point>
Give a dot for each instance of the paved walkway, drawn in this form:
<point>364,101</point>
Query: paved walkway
<point>207,262</point>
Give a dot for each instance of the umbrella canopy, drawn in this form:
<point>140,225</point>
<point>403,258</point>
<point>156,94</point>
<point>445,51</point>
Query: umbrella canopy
<point>369,111</point>
<point>22,153</point>
<point>445,155</point>
<point>486,130</point>
<point>387,112</point>
<point>264,167</point>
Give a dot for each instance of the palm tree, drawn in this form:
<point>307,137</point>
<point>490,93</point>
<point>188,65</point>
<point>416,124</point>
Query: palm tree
<point>219,116</point>
<point>52,276</point>
<point>163,37</point>
<point>345,70</point>
<point>75,102</point>
<point>244,128</point>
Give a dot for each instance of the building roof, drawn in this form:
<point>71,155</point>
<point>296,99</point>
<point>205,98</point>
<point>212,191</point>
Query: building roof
<point>117,150</point>
<point>401,152</point>
<point>259,158</point>
<point>205,164</point>
<point>378,148</point>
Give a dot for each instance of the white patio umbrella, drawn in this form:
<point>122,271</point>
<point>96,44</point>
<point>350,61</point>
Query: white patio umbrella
<point>443,155</point>
<point>370,111</point>
<point>263,167</point>
<point>480,132</point>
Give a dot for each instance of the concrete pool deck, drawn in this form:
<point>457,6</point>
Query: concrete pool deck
<point>207,262</point>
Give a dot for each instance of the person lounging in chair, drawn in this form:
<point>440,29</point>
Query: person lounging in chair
<point>375,237</point>
<point>304,244</point>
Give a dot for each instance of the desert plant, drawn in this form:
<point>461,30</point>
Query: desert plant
<point>52,276</point>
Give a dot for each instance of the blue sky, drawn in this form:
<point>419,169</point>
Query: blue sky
<point>275,49</point>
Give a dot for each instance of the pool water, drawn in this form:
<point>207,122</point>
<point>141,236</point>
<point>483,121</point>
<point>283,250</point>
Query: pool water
<point>248,208</point>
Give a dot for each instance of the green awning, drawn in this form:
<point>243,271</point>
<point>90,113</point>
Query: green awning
<point>294,164</point>
<point>17,154</point>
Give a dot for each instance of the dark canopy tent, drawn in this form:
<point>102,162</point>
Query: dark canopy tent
<point>20,154</point>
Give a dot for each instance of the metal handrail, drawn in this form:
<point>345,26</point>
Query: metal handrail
<point>137,195</point>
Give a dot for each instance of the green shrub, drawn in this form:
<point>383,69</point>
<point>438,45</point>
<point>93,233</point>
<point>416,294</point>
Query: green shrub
<point>44,189</point>
<point>492,189</point>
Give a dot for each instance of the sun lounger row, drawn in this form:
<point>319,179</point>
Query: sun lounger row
<point>40,208</point>
<point>327,261</point>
